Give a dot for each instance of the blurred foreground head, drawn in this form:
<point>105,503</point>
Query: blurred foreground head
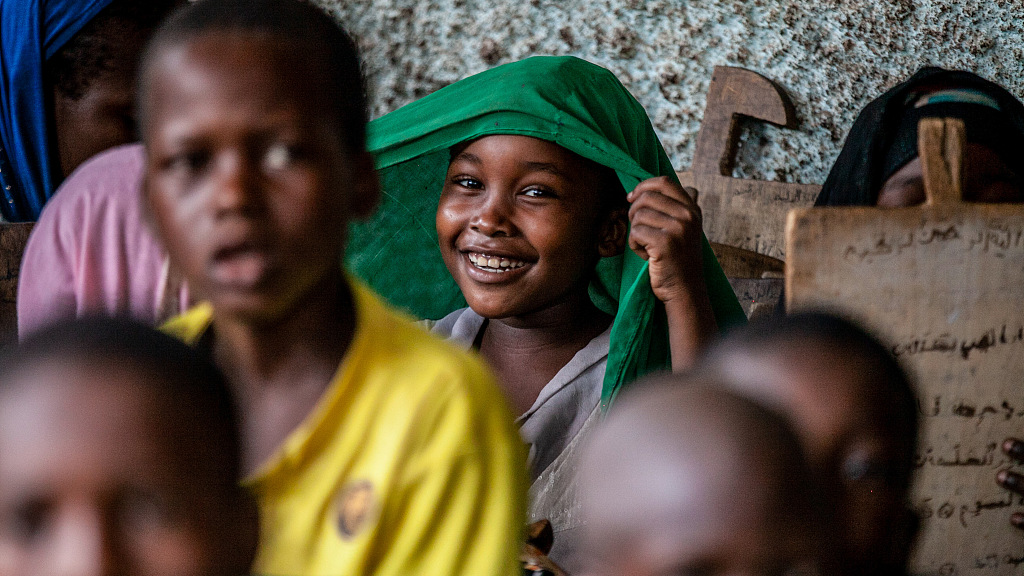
<point>855,412</point>
<point>686,478</point>
<point>119,454</point>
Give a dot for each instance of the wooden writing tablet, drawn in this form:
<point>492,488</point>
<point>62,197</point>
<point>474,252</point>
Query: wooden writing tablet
<point>13,238</point>
<point>748,214</point>
<point>943,285</point>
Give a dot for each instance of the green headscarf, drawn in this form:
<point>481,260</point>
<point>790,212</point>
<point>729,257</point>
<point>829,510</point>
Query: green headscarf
<point>565,100</point>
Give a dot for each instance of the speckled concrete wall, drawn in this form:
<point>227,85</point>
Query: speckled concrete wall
<point>832,56</point>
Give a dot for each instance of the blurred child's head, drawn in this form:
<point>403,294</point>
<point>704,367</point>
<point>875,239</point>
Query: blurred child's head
<point>119,454</point>
<point>253,114</point>
<point>522,222</point>
<point>684,478</point>
<point>92,79</point>
<point>856,414</point>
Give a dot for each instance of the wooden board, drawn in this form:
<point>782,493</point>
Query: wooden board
<point>759,297</point>
<point>943,285</point>
<point>740,263</point>
<point>749,214</point>
<point>13,238</point>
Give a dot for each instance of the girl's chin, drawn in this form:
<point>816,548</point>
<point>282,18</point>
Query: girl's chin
<point>492,310</point>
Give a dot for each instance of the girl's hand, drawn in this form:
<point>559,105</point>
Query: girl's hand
<point>665,230</point>
<point>1012,481</point>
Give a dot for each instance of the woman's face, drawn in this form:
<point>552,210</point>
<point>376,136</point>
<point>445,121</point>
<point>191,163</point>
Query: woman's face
<point>986,179</point>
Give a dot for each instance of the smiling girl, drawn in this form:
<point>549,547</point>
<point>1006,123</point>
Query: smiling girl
<point>533,161</point>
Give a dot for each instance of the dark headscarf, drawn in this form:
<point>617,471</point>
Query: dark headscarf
<point>31,31</point>
<point>884,136</point>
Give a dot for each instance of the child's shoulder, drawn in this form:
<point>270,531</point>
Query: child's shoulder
<point>406,344</point>
<point>189,326</point>
<point>399,359</point>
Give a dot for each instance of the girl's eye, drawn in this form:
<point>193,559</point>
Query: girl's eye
<point>280,156</point>
<point>539,193</point>
<point>467,182</point>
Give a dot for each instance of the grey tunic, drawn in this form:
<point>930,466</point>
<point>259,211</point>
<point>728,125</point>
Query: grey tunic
<point>566,409</point>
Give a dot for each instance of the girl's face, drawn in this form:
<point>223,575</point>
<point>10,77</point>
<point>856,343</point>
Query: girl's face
<point>520,224</point>
<point>248,180</point>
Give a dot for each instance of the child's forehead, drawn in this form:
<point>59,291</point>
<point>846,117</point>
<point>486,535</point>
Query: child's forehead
<point>272,50</point>
<point>67,387</point>
<point>526,152</point>
<point>236,71</point>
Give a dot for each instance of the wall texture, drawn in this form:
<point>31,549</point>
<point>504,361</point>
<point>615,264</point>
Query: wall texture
<point>831,56</point>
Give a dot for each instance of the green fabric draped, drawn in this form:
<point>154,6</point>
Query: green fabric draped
<point>565,100</point>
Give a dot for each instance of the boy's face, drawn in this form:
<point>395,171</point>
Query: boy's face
<point>250,185</point>
<point>103,476</point>
<point>519,224</point>
<point>850,441</point>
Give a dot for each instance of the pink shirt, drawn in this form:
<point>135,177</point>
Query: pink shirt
<point>92,251</point>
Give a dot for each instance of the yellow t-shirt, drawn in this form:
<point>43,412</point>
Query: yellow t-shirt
<point>410,464</point>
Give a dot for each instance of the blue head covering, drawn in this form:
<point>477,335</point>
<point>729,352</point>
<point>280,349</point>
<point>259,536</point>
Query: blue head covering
<point>31,31</point>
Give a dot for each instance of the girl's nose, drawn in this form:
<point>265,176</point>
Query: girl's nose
<point>493,216</point>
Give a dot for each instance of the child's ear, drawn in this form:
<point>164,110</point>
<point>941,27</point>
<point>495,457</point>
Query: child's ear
<point>611,240</point>
<point>366,191</point>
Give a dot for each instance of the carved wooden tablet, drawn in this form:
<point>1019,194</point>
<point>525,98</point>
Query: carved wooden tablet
<point>943,285</point>
<point>749,214</point>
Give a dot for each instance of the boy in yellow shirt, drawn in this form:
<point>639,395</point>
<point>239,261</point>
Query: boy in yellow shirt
<point>372,448</point>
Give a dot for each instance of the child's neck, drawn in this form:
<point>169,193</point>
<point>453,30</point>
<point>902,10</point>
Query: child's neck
<point>527,351</point>
<point>279,370</point>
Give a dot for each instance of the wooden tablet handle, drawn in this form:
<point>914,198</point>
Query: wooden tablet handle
<point>940,144</point>
<point>735,92</point>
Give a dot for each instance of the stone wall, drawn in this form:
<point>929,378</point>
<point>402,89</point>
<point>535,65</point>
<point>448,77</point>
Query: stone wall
<point>832,56</point>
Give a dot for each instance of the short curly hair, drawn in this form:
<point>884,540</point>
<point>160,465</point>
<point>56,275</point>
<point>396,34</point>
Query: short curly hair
<point>104,44</point>
<point>304,24</point>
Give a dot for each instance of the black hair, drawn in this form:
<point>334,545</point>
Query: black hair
<point>104,44</point>
<point>184,374</point>
<point>612,195</point>
<point>830,331</point>
<point>317,35</point>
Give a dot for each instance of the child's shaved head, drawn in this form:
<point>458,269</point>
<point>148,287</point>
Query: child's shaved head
<point>119,455</point>
<point>855,412</point>
<point>312,36</point>
<point>171,369</point>
<point>683,477</point>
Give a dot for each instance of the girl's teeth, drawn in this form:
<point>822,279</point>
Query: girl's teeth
<point>495,263</point>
